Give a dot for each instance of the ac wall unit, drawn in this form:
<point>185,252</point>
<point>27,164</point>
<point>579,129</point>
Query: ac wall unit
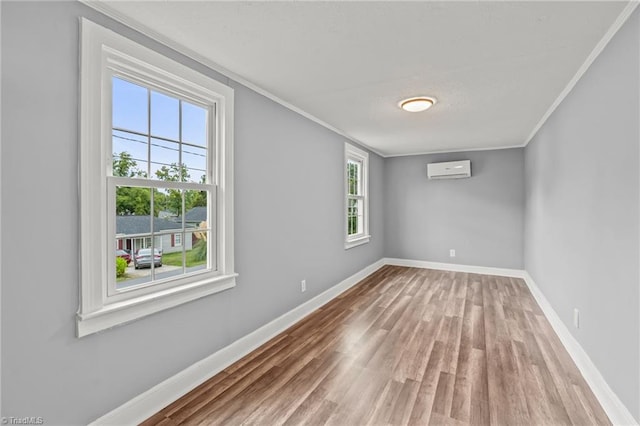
<point>449,170</point>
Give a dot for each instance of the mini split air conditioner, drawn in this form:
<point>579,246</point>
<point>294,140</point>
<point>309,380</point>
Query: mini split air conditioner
<point>449,170</point>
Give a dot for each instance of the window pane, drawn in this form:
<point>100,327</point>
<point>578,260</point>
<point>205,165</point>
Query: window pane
<point>133,233</point>
<point>172,256</point>
<point>353,177</point>
<point>195,207</point>
<point>352,217</point>
<point>129,154</point>
<point>167,204</point>
<point>195,163</point>
<point>194,124</point>
<point>196,253</point>
<point>165,157</point>
<point>360,217</point>
<point>199,227</point>
<point>165,116</point>
<point>129,106</point>
<point>132,200</point>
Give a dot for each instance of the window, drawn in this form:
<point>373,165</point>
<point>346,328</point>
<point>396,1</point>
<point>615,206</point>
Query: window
<point>357,201</point>
<point>160,149</point>
<point>155,173</point>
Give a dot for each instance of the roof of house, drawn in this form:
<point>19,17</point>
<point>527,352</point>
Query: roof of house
<point>131,224</point>
<point>196,214</point>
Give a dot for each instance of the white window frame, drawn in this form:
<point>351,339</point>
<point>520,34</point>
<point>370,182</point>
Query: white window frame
<point>353,153</point>
<point>103,53</point>
<point>177,236</point>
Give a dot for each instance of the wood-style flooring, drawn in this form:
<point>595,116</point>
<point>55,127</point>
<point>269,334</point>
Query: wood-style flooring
<point>404,346</point>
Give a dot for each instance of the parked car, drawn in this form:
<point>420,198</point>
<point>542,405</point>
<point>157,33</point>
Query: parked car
<point>142,259</point>
<point>123,254</point>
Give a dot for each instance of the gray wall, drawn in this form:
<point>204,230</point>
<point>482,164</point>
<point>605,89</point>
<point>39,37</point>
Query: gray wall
<point>289,224</point>
<point>581,233</point>
<point>480,217</point>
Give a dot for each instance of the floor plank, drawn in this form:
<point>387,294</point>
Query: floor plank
<point>404,346</point>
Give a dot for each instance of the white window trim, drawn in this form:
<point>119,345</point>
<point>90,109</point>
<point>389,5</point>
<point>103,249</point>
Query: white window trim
<point>177,236</point>
<point>101,48</point>
<point>357,154</point>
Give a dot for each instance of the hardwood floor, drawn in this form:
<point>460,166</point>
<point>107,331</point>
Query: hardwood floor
<point>404,346</point>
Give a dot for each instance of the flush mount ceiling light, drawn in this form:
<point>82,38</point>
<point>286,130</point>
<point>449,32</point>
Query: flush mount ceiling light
<point>417,104</point>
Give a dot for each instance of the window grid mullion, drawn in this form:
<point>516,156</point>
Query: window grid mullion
<point>152,198</point>
<point>153,237</point>
<point>182,193</point>
<point>148,134</point>
<point>153,183</point>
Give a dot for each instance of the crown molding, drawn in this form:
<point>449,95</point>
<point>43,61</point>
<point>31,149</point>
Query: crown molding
<point>447,151</point>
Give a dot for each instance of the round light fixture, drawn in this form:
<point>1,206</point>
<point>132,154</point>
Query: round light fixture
<point>417,104</point>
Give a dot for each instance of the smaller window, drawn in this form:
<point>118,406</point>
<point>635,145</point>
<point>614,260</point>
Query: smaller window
<point>356,199</point>
<point>177,240</point>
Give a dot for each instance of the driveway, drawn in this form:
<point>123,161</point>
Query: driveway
<point>145,272</point>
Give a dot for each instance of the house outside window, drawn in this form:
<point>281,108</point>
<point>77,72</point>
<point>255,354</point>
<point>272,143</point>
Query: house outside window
<point>166,133</point>
<point>356,196</point>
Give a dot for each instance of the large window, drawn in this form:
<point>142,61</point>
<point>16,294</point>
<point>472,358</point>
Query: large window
<point>357,201</point>
<point>156,182</point>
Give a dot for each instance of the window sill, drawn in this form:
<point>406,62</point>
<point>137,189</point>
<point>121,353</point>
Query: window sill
<point>354,242</point>
<point>119,313</point>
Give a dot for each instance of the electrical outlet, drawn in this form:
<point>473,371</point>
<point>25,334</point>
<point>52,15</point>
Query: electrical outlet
<point>452,253</point>
<point>576,318</point>
<point>303,286</point>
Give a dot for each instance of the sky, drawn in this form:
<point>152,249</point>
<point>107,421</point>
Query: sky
<point>131,112</point>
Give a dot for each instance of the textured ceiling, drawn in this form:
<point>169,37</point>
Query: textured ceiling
<point>495,67</point>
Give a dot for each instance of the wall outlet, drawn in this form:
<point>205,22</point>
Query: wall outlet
<point>303,286</point>
<point>576,318</point>
<point>452,253</point>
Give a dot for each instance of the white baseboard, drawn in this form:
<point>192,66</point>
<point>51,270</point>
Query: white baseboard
<point>150,402</point>
<point>615,409</point>
<point>501,272</point>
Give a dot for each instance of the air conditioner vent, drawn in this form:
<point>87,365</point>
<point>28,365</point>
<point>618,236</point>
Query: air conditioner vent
<point>449,170</point>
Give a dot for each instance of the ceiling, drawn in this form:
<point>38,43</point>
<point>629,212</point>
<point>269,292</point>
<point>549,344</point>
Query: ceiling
<point>496,68</point>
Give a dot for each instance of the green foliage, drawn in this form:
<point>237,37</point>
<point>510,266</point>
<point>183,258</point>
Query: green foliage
<point>352,217</point>
<point>130,200</point>
<point>173,173</point>
<point>125,166</point>
<point>171,199</point>
<point>353,177</point>
<point>121,267</point>
<point>200,251</point>
<point>133,200</point>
